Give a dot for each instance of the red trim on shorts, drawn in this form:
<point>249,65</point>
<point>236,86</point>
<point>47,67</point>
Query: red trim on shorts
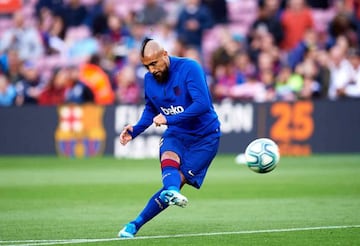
<point>170,163</point>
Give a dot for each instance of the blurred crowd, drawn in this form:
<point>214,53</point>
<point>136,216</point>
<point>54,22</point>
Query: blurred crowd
<point>78,51</point>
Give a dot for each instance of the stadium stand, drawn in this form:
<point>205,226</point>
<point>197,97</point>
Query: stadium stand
<point>79,44</point>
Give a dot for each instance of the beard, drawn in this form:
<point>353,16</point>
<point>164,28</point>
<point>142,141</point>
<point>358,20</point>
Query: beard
<point>162,77</point>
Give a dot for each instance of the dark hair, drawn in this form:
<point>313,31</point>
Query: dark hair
<point>143,45</point>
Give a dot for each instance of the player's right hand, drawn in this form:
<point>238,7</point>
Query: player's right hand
<point>125,137</point>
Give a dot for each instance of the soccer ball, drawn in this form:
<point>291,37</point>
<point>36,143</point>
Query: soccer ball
<point>262,155</point>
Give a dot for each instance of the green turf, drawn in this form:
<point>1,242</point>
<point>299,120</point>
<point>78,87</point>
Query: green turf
<point>56,198</point>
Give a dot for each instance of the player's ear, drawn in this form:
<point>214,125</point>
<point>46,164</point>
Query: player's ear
<point>165,57</point>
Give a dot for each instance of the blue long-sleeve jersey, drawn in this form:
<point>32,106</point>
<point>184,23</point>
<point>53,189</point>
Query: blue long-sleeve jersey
<point>184,100</point>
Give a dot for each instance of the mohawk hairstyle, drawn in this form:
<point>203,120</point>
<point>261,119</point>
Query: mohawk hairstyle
<point>143,45</point>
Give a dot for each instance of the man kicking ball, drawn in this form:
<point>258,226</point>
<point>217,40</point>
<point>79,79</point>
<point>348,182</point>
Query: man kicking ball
<point>176,95</point>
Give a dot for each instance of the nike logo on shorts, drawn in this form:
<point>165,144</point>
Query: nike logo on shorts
<point>191,173</point>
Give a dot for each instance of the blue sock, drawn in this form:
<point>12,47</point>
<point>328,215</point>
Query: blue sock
<point>152,208</point>
<point>170,174</point>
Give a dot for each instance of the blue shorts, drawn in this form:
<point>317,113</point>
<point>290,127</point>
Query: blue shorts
<point>196,154</point>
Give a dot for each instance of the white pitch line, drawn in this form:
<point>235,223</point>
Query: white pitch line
<point>75,241</point>
<point>35,241</point>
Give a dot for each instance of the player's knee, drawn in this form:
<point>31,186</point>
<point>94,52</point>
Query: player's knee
<point>170,155</point>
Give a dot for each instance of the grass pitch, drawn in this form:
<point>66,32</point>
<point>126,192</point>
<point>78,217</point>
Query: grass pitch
<point>304,201</point>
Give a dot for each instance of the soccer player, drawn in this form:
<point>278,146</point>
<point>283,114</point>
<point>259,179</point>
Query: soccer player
<point>176,95</point>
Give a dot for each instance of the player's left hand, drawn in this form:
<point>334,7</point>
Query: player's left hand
<point>159,120</point>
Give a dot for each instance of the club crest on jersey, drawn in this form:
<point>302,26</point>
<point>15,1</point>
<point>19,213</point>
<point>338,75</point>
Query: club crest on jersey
<point>172,110</point>
<point>177,90</point>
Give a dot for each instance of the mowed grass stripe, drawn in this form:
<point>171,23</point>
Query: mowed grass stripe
<point>76,241</point>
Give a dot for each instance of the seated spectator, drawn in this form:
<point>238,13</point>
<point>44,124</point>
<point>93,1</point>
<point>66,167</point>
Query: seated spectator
<point>94,19</point>
<point>352,88</point>
<point>353,7</point>
<point>127,88</point>
<point>309,42</point>
<point>267,21</point>
<point>77,91</point>
<point>29,88</point>
<point>52,30</point>
<point>133,60</point>
<point>323,75</point>
<point>115,40</point>
<point>118,31</point>
<point>138,32</point>
<point>268,45</point>
<point>95,78</point>
<point>74,13</point>
<point>251,90</point>
<point>266,61</point>
<point>343,44</point>
<point>295,20</point>
<point>98,16</point>
<point>23,38</point>
<point>193,20</point>
<point>224,80</point>
<point>267,77</point>
<point>276,6</point>
<point>10,65</point>
<point>229,46</point>
<point>243,66</point>
<point>343,25</point>
<point>287,84</point>
<point>7,91</point>
<point>218,9</point>
<point>81,45</point>
<point>264,52</point>
<point>152,13</point>
<point>340,71</point>
<point>53,6</point>
<point>229,76</point>
<point>166,36</point>
<point>311,87</point>
<point>54,92</point>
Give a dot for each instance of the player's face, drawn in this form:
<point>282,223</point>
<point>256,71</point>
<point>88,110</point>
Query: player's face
<point>158,65</point>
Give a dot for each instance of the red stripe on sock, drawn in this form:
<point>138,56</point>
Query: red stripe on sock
<point>170,163</point>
